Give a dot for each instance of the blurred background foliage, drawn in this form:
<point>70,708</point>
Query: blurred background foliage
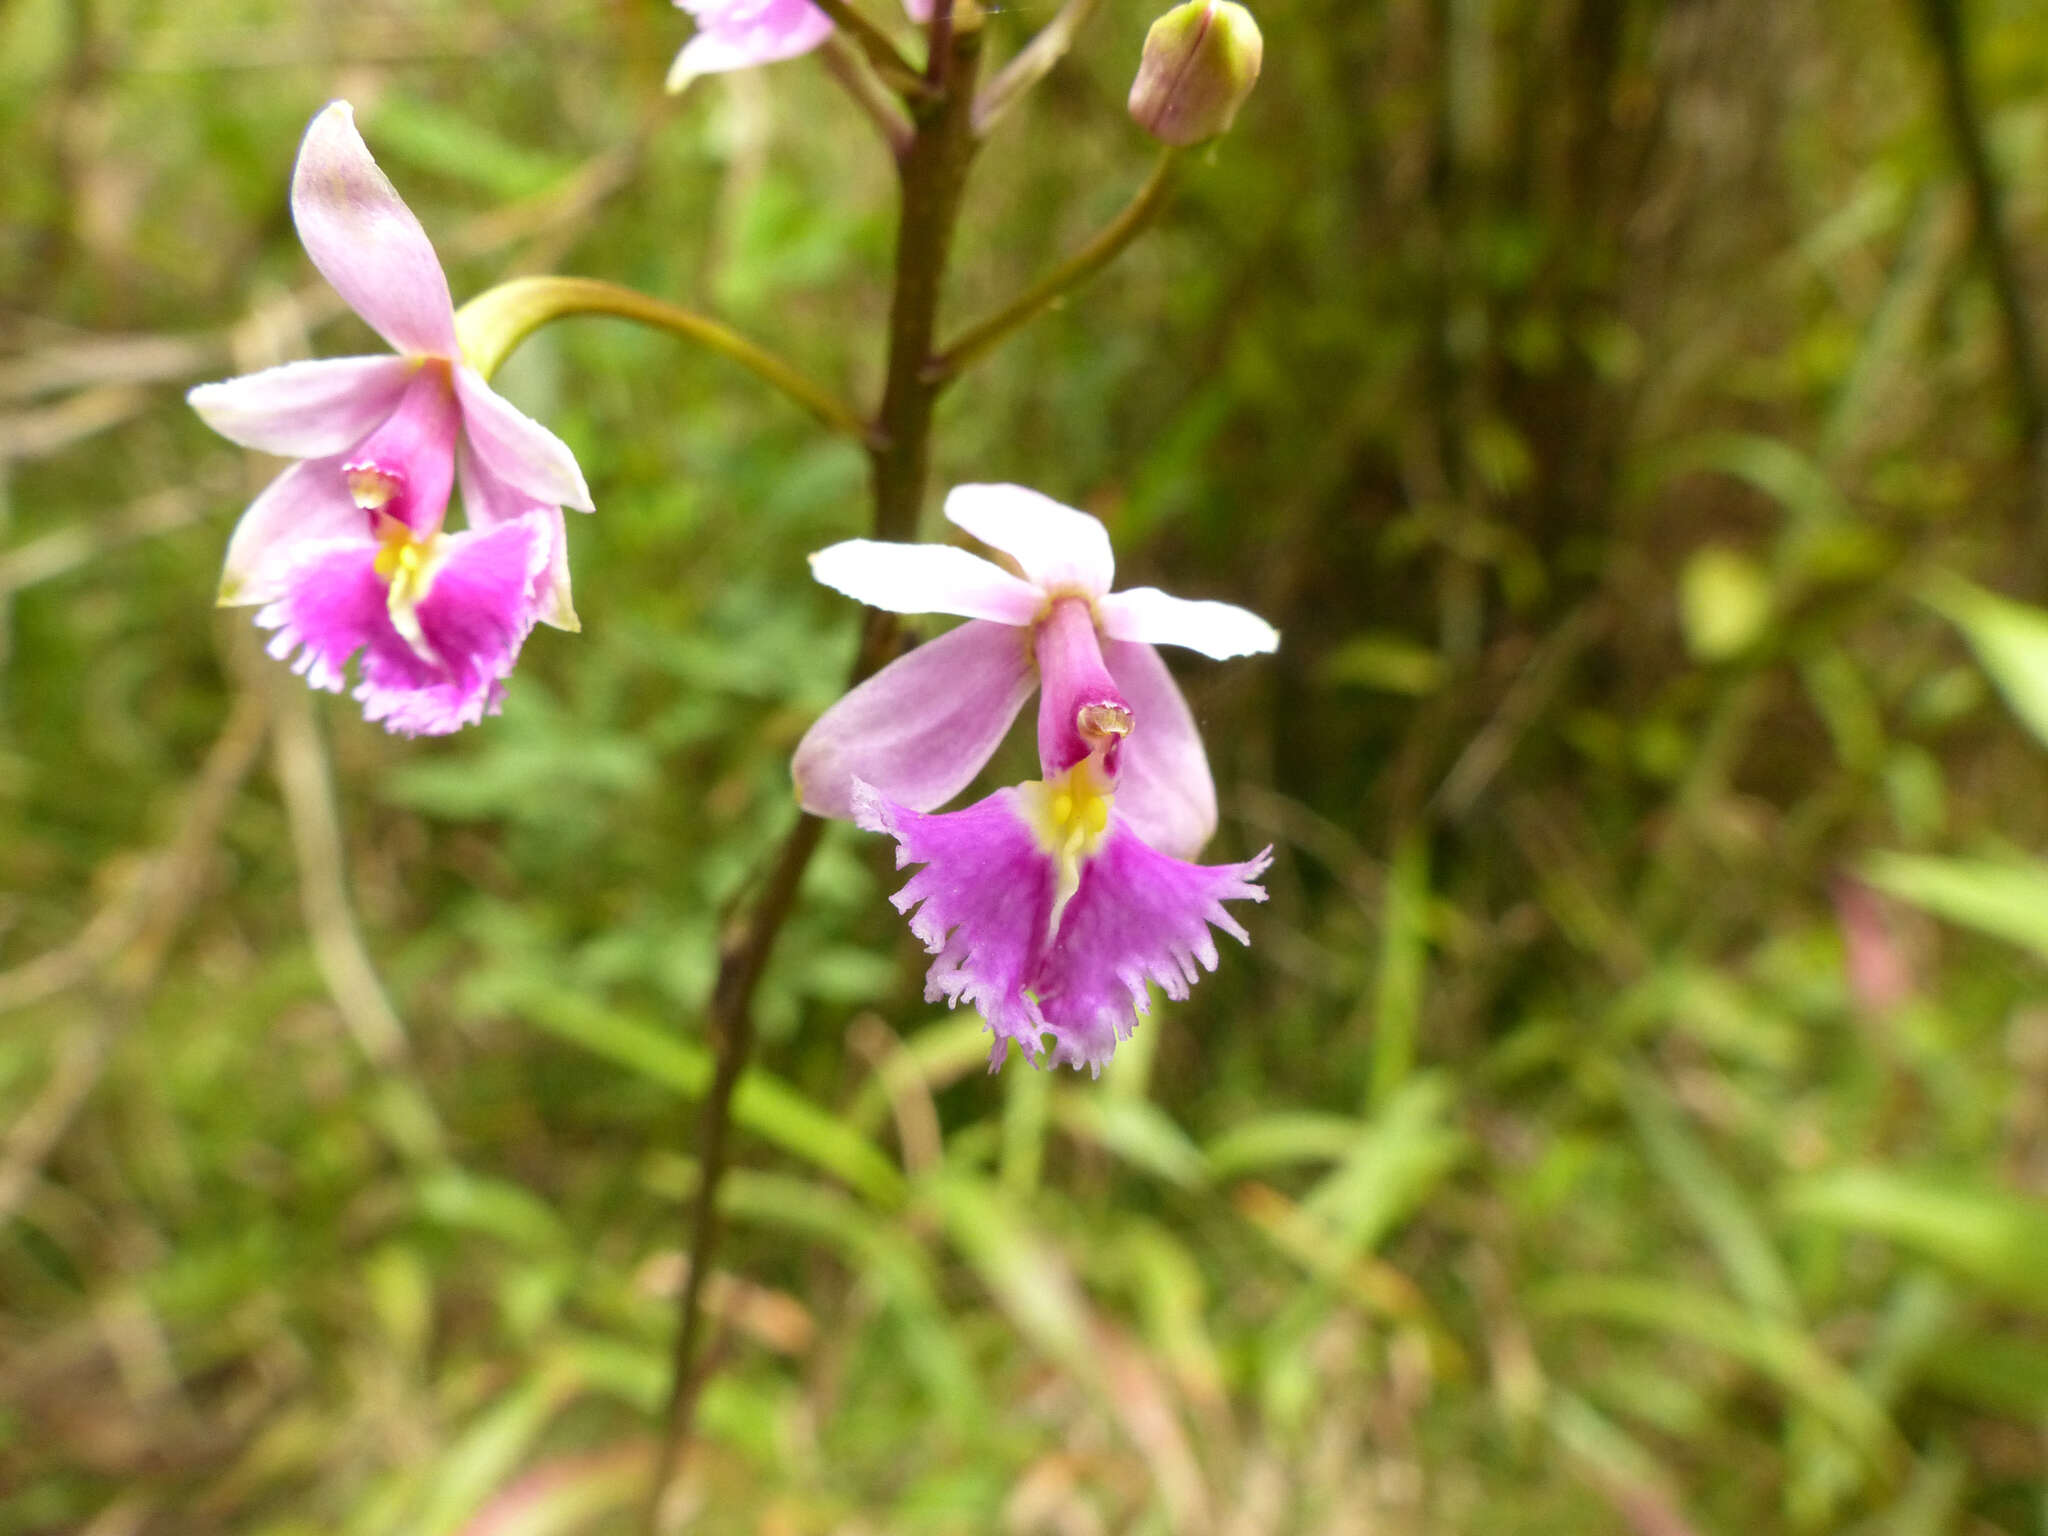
<point>1633,1112</point>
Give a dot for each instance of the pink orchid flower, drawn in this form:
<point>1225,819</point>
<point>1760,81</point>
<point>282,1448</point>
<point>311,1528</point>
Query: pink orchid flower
<point>1050,905</point>
<point>738,34</point>
<point>345,550</point>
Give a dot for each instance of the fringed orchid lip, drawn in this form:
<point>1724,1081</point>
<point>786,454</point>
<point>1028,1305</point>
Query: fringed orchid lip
<point>434,625</point>
<point>1048,914</point>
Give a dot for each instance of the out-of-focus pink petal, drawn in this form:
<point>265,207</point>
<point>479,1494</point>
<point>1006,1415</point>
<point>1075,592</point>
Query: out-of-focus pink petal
<point>307,504</point>
<point>1880,968</point>
<point>1164,792</point>
<point>738,34</point>
<point>921,728</point>
<point>304,410</point>
<point>925,578</point>
<point>488,502</point>
<point>982,904</point>
<point>477,612</point>
<point>1057,548</point>
<point>919,11</point>
<point>366,242</point>
<point>1221,630</point>
<point>1138,917</point>
<point>516,448</point>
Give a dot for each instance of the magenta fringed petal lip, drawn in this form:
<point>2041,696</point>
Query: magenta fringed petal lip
<point>988,906</point>
<point>381,442</point>
<point>437,625</point>
<point>1137,916</point>
<point>980,904</point>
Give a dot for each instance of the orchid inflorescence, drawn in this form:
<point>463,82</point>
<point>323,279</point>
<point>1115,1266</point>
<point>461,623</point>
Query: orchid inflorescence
<point>1051,906</point>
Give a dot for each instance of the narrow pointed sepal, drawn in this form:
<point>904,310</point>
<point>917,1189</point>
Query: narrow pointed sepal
<point>366,242</point>
<point>305,410</point>
<point>1218,630</point>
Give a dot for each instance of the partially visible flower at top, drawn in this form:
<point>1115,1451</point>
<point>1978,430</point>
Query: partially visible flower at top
<point>345,550</point>
<point>1051,905</point>
<point>738,34</point>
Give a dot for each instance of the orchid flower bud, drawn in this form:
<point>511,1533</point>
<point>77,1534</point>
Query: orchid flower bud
<point>1201,61</point>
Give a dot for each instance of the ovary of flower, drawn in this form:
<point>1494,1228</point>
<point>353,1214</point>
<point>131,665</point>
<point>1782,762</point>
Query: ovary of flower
<point>382,441</point>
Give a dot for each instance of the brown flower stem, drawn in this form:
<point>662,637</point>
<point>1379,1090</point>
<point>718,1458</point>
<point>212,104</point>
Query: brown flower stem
<point>743,954</point>
<point>1944,22</point>
<point>981,338</point>
<point>933,173</point>
<point>934,179</point>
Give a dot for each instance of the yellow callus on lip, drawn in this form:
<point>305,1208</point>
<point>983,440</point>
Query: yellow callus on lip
<point>406,567</point>
<point>1069,814</point>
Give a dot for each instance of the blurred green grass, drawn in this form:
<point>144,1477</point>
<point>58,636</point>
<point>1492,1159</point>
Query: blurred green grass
<point>1633,1112</point>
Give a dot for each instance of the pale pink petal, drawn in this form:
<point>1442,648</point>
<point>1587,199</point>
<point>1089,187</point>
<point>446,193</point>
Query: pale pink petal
<point>738,34</point>
<point>1138,917</point>
<point>982,904</point>
<point>1221,630</point>
<point>919,11</point>
<point>518,449</point>
<point>925,578</point>
<point>307,504</point>
<point>366,242</point>
<point>1057,548</point>
<point>488,502</point>
<point>1164,792</point>
<point>921,728</point>
<point>304,410</point>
